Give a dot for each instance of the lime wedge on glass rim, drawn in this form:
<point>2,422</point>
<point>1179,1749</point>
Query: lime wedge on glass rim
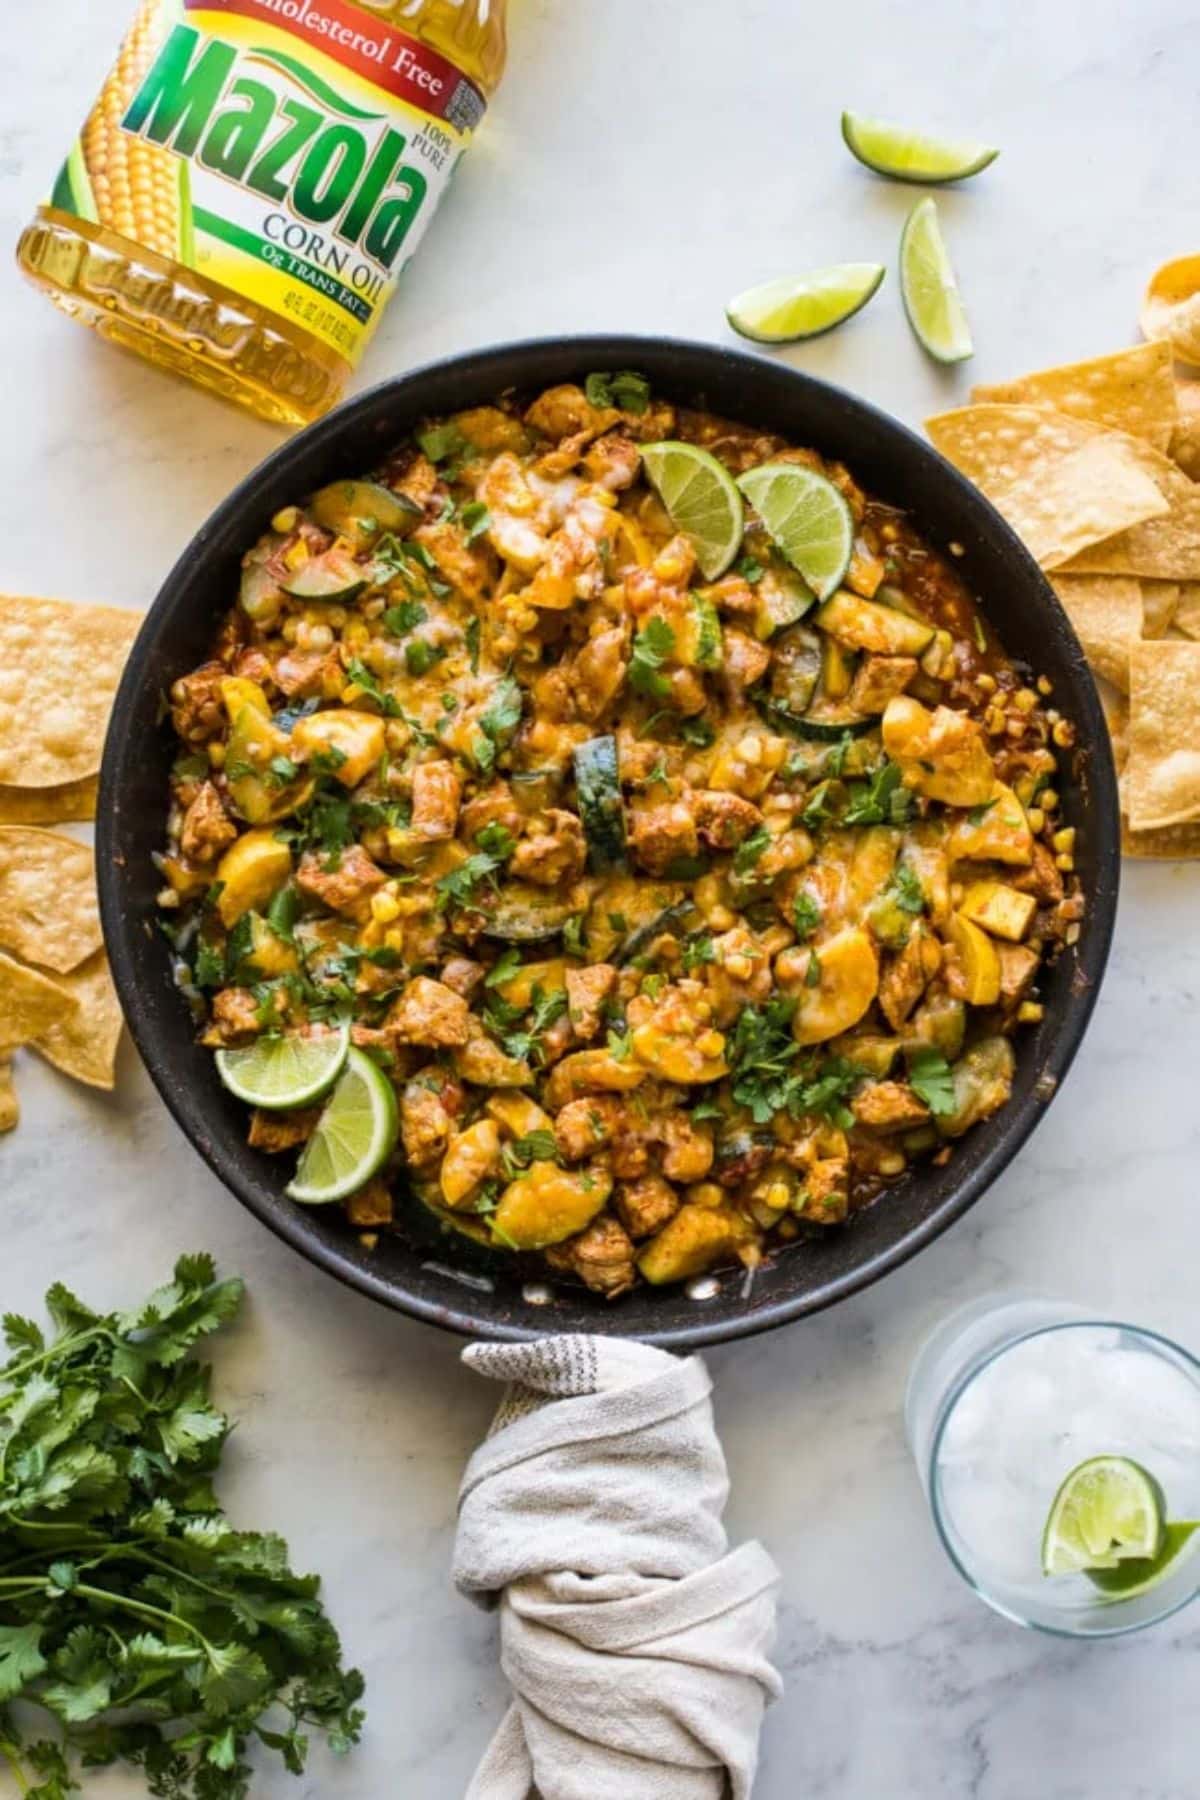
<point>803,306</point>
<point>1137,1575</point>
<point>931,297</point>
<point>700,495</point>
<point>282,1072</point>
<point>912,155</point>
<point>355,1135</point>
<point>1107,1509</point>
<point>807,517</point>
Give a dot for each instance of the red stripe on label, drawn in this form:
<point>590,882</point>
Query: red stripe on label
<point>388,58</point>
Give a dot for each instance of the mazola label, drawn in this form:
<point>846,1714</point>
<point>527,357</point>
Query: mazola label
<point>292,151</point>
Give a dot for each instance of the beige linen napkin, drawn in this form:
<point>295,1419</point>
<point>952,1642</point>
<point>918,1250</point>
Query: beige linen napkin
<point>635,1641</point>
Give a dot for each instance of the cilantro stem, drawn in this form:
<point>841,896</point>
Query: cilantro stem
<point>17,1771</point>
<point>123,1602</point>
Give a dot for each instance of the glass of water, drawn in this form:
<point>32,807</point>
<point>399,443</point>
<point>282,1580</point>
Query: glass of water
<point>1004,1401</point>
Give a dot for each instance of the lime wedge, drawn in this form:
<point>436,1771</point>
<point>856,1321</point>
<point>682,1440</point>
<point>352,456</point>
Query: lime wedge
<point>355,1135</point>
<point>282,1072</point>
<point>1137,1574</point>
<point>1107,1509</point>
<point>912,155</point>
<point>803,306</point>
<point>700,495</point>
<point>808,519</point>
<point>931,297</point>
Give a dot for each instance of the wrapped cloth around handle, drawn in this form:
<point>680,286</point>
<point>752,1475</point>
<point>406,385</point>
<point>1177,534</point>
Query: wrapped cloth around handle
<point>636,1643</point>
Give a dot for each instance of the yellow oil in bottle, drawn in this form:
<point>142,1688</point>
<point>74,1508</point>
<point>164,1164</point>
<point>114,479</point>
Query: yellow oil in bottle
<point>253,178</point>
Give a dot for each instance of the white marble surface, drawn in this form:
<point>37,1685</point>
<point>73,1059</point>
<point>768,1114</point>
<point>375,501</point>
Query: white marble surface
<point>644,159</point>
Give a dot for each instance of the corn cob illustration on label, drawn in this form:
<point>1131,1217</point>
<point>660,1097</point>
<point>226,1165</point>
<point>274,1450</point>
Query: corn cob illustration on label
<point>291,150</point>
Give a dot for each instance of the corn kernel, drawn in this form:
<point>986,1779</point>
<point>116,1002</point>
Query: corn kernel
<point>385,907</point>
<point>296,555</point>
<point>1025,699</point>
<point>1037,819</point>
<point>1063,734</point>
<point>1044,685</point>
<point>706,1193</point>
<point>1065,863</point>
<point>986,683</point>
<point>1030,1012</point>
<point>1072,934</point>
<point>1048,800</point>
<point>1064,840</point>
<point>285,520</point>
<point>777,1195</point>
<point>710,1043</point>
<point>216,755</point>
<point>739,966</point>
<point>892,1163</point>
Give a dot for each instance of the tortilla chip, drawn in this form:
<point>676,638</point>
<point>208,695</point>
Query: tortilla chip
<point>1106,611</point>
<point>1184,447</point>
<point>1131,390</point>
<point>1163,772</point>
<point>1166,548</point>
<point>49,806</point>
<point>84,1043</point>
<point>1061,483</point>
<point>59,668</point>
<point>48,908</point>
<point>1160,600</point>
<point>30,1004</point>
<point>1170,843</point>
<point>1187,610</point>
<point>10,1110</point>
<point>1170,308</point>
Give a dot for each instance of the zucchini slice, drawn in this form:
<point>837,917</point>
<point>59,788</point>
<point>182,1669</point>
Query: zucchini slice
<point>673,919</point>
<point>698,643</point>
<point>527,915</point>
<point>866,625</point>
<point>795,668</point>
<point>598,791</point>
<point>363,510</point>
<point>332,576</point>
<point>824,723</point>
<point>783,599</point>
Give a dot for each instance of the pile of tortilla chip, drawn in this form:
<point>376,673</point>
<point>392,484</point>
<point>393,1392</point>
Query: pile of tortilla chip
<point>59,668</point>
<point>1094,466</point>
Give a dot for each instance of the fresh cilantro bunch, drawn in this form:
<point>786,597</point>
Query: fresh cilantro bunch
<point>131,1611</point>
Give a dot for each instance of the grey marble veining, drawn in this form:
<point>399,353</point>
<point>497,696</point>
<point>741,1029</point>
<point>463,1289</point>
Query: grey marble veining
<point>644,160</point>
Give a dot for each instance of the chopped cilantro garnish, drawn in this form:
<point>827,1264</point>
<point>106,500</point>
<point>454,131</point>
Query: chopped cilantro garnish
<point>420,655</point>
<point>442,441</point>
<point>363,678</point>
<point>750,851</point>
<point>697,951</point>
<point>404,617</point>
<point>497,722</point>
<point>812,974</point>
<point>932,1080</point>
<point>806,915</point>
<point>906,890</point>
<point>472,637</point>
<point>474,519</point>
<point>882,800</point>
<point>697,731</point>
<point>624,389</point>
<point>651,648</point>
<point>750,569</point>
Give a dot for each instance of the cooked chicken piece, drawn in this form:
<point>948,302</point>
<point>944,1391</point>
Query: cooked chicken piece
<point>598,671</point>
<point>687,1149</point>
<point>462,975</point>
<point>207,828</point>
<point>430,1013</point>
<point>196,710</point>
<point>278,1131</point>
<point>234,1017</point>
<point>602,1256</point>
<point>565,412</point>
<point>584,1126</point>
<point>552,851</point>
<point>1041,879</point>
<point>428,1108</point>
<point>587,990</point>
<point>879,680</point>
<point>661,835</point>
<point>613,461</point>
<point>745,661</point>
<point>645,1206</point>
<point>906,975</point>
<point>724,820</point>
<point>436,792</point>
<point>370,1205</point>
<point>1018,968</point>
<point>888,1106</point>
<point>344,889</point>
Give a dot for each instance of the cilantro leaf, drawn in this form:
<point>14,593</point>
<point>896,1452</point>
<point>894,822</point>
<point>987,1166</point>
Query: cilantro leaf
<point>404,617</point>
<point>880,801</point>
<point>932,1080</point>
<point>475,519</point>
<point>652,646</point>
<point>806,915</point>
<point>442,441</point>
<point>359,673</point>
<point>906,890</point>
<point>750,851</point>
<point>624,388</point>
<point>497,722</point>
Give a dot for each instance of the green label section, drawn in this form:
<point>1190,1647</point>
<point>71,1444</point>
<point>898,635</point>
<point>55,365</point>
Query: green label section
<point>276,257</point>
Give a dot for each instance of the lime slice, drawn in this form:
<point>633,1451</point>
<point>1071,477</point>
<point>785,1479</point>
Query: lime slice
<point>355,1135</point>
<point>931,297</point>
<point>803,306</point>
<point>282,1072</point>
<point>808,519</point>
<point>1106,1510</point>
<point>700,495</point>
<point>912,155</point>
<point>1137,1574</point>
